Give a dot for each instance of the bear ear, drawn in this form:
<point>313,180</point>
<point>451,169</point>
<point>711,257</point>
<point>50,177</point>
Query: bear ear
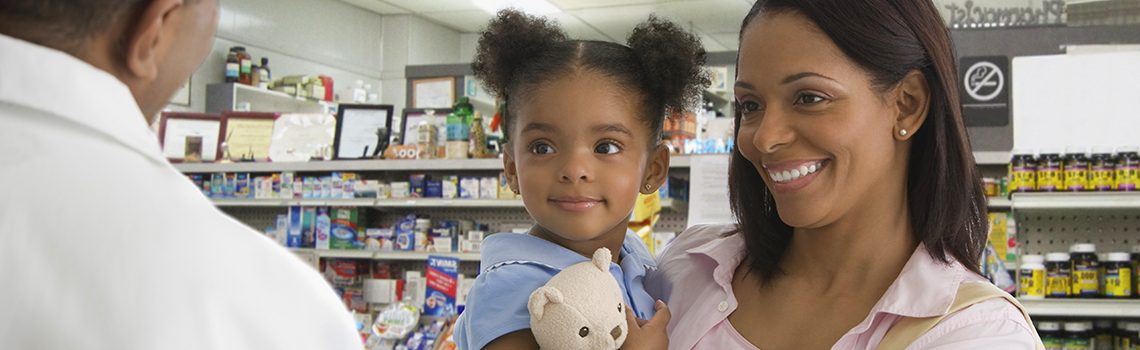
<point>602,259</point>
<point>542,296</point>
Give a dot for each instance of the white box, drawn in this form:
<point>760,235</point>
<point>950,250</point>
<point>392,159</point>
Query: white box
<point>450,187</point>
<point>442,244</point>
<point>416,287</point>
<point>475,236</point>
<point>380,291</point>
<point>400,190</point>
<point>465,285</point>
<point>469,187</point>
<point>489,188</point>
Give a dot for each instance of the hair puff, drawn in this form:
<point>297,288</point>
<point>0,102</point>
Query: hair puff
<point>509,41</point>
<point>673,60</point>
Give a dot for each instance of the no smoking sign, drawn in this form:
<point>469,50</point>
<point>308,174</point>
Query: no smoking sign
<point>984,86</point>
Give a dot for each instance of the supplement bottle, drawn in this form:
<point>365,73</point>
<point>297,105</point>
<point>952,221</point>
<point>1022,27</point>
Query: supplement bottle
<point>1022,171</point>
<point>1051,335</point>
<point>1130,339</point>
<point>1031,277</point>
<point>1119,333</point>
<point>1075,166</point>
<point>1104,333</point>
<point>245,74</point>
<point>1118,275</point>
<point>1049,176</point>
<point>1086,279</point>
<point>1058,275</point>
<point>1077,337</point>
<point>1102,166</point>
<point>1127,163</point>
<point>233,67</point>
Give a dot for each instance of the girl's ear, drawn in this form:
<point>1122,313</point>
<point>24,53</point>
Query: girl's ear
<point>656,170</point>
<point>509,169</point>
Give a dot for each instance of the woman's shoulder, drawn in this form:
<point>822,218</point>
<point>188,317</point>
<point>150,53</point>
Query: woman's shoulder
<point>992,324</point>
<point>693,237</point>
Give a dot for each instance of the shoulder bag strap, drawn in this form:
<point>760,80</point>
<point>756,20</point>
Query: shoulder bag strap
<point>909,329</point>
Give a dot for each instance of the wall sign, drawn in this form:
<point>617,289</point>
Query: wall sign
<point>968,16</point>
<point>984,86</point>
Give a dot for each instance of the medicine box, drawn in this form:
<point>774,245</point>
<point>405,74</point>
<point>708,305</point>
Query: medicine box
<point>416,185</point>
<point>469,187</point>
<point>450,187</point>
<point>399,190</point>
<point>434,189</point>
<point>489,188</point>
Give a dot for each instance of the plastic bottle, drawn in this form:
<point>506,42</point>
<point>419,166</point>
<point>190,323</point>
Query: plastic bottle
<point>1051,335</point>
<point>1077,336</point>
<point>1031,277</point>
<point>1127,164</point>
<point>1075,166</point>
<point>1049,176</point>
<point>1118,275</point>
<point>1102,166</point>
<point>1022,171</point>
<point>233,67</point>
<point>1104,331</point>
<point>1086,266</point>
<point>263,75</point>
<point>427,137</point>
<point>1058,275</point>
<point>324,224</point>
<point>1131,337</point>
<point>478,138</point>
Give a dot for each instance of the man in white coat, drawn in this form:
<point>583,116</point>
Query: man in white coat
<point>103,244</point>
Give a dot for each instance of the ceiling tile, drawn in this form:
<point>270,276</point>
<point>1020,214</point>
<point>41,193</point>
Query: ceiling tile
<point>378,6</point>
<point>425,6</point>
<point>712,16</point>
<point>462,21</point>
<point>577,29</point>
<point>731,41</point>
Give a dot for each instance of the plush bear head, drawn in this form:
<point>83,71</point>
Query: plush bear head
<point>580,308</point>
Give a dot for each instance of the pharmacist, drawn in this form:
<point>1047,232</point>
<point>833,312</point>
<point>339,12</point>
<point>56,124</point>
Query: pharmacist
<point>103,244</point>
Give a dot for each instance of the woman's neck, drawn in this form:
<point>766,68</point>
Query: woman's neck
<point>611,239</point>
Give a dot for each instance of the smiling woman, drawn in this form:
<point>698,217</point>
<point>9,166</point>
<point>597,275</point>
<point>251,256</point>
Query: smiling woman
<point>860,212</point>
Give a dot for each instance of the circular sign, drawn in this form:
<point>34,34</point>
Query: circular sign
<point>984,81</point>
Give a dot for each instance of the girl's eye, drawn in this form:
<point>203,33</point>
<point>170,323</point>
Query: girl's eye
<point>747,106</point>
<point>541,148</point>
<point>606,148</point>
<point>808,99</point>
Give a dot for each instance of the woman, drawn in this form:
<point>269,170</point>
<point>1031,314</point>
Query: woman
<point>860,211</point>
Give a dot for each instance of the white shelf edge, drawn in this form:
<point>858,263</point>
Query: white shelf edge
<point>991,157</point>
<point>1082,307</point>
<point>1076,200</point>
<point>666,204</point>
<point>999,203</point>
<point>448,202</point>
<point>676,162</point>
<point>382,255</point>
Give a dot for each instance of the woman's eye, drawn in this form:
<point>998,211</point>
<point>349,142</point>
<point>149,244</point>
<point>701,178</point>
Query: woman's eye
<point>809,99</point>
<point>748,106</point>
<point>606,148</point>
<point>542,148</point>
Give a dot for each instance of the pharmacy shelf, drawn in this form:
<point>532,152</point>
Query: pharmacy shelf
<point>666,204</point>
<point>1082,307</point>
<point>1076,200</point>
<point>999,203</point>
<point>386,255</point>
<point>237,202</point>
<point>991,158</point>
<point>343,165</point>
<point>449,202</point>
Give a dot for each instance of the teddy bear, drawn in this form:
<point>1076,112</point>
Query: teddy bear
<point>580,308</point>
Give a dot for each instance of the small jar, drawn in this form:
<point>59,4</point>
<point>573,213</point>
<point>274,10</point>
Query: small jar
<point>1086,274</point>
<point>1118,275</point>
<point>1049,176</point>
<point>1022,171</point>
<point>1131,337</point>
<point>1127,164</point>
<point>1058,275</point>
<point>1102,167</point>
<point>1031,277</point>
<point>1075,166</point>
<point>1077,336</point>
<point>1104,332</point>
<point>1051,334</point>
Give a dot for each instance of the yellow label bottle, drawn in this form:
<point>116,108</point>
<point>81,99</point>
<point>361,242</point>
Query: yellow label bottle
<point>1118,276</point>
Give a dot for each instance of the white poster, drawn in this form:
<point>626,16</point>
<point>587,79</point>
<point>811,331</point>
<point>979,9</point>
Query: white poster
<point>358,131</point>
<point>708,190</point>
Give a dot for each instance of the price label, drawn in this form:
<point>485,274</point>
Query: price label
<point>402,152</point>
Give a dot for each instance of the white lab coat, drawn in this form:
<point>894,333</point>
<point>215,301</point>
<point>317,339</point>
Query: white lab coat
<point>104,245</point>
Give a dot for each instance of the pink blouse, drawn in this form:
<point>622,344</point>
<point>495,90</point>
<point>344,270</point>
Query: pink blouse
<point>694,278</point>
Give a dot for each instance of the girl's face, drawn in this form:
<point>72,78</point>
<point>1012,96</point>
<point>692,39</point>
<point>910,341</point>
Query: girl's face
<point>821,136</point>
<point>579,156</point>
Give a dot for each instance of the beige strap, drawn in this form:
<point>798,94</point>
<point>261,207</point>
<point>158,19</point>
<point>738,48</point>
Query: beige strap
<point>909,329</point>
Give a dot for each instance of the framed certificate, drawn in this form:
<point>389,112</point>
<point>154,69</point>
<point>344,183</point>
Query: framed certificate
<point>246,136</point>
<point>359,130</point>
<point>412,118</point>
<point>192,136</point>
<point>433,92</point>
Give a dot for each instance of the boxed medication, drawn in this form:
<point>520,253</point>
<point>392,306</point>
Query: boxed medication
<point>450,186</point>
<point>469,187</point>
<point>489,188</point>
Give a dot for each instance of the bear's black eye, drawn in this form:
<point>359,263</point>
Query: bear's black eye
<point>619,308</point>
<point>583,332</point>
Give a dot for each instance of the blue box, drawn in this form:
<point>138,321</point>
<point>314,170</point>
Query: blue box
<point>442,279</point>
<point>434,189</point>
<point>293,237</point>
<point>417,185</point>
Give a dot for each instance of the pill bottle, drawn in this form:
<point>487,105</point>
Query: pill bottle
<point>1086,274</point>
<point>1104,332</point>
<point>1131,336</point>
<point>1022,171</point>
<point>1118,275</point>
<point>1077,336</point>
<point>1058,275</point>
<point>1075,166</point>
<point>1051,335</point>
<point>1049,176</point>
<point>1127,163</point>
<point>1102,167</point>
<point>1031,277</point>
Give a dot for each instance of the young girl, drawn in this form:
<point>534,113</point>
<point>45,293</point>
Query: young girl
<point>584,121</point>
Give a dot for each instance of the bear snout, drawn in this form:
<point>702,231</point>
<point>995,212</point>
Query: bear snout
<point>616,333</point>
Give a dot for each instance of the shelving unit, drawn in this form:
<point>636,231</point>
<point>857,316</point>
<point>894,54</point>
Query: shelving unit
<point>228,96</point>
<point>384,255</point>
<point>1083,307</point>
<point>1076,200</point>
<point>999,203</point>
<point>666,204</point>
<point>344,165</point>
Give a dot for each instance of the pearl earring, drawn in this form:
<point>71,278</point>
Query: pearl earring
<point>902,132</point>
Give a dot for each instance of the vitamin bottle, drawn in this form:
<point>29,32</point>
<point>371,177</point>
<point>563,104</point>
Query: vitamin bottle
<point>1058,275</point>
<point>1051,335</point>
<point>1049,176</point>
<point>1031,277</point>
<point>1127,163</point>
<point>1118,275</point>
<point>1077,336</point>
<point>1131,337</point>
<point>1102,167</point>
<point>1086,266</point>
<point>1075,166</point>
<point>1104,332</point>
<point>263,74</point>
<point>1022,171</point>
<point>245,74</point>
<point>233,67</point>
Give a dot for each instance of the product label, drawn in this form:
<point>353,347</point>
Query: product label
<point>1100,178</point>
<point>1032,283</point>
<point>1049,179</point>
<point>1022,179</point>
<point>1076,178</point>
<point>1057,285</point>
<point>232,70</point>
<point>246,66</point>
<point>1118,282</point>
<point>1086,280</point>
<point>1077,344</point>
<point>442,286</point>
<point>1126,177</point>
<point>1053,343</point>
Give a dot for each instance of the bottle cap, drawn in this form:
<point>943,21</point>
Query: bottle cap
<point>1021,152</point>
<point>1048,326</point>
<point>1119,257</point>
<point>1075,327</point>
<point>1127,149</point>
<point>1032,259</point>
<point>1055,257</point>
<point>1051,150</point>
<point>1076,150</point>
<point>1102,150</point>
<point>1132,326</point>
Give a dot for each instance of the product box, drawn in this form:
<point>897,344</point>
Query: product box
<point>414,286</point>
<point>378,239</point>
<point>241,186</point>
<point>293,237</point>
<point>308,227</point>
<point>230,184</point>
<point>298,187</point>
<point>346,272</point>
<point>365,188</point>
<point>275,186</point>
<point>337,188</point>
<point>434,189</point>
<point>400,190</point>
<point>999,234</point>
<point>326,187</point>
<point>417,184</point>
<point>505,188</point>
<point>469,187</point>
<point>381,291</point>
<point>218,185</point>
<point>489,188</point>
<point>442,286</point>
<point>345,230</point>
<point>450,187</point>
<point>287,185</point>
<point>383,190</point>
<point>307,187</point>
<point>475,236</point>
<point>348,185</point>
<point>323,229</point>
<point>442,244</point>
<point>422,241</point>
<point>405,233</point>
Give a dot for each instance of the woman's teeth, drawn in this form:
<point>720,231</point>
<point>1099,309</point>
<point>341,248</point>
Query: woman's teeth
<point>794,174</point>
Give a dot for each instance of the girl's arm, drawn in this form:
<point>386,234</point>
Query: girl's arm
<point>521,339</point>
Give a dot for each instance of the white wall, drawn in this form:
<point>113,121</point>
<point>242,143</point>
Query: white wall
<point>410,41</point>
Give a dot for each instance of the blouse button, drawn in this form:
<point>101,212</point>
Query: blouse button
<point>722,306</point>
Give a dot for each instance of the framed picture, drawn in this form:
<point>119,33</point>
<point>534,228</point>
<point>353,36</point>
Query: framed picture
<point>433,92</point>
<point>359,130</point>
<point>190,136</point>
<point>412,118</point>
<point>247,135</point>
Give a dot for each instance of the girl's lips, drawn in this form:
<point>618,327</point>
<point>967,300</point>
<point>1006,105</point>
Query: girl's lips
<point>576,203</point>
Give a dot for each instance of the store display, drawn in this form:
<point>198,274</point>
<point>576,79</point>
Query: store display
<point>1032,277</point>
<point>442,286</point>
<point>1049,176</point>
<point>1075,169</point>
<point>1058,275</point>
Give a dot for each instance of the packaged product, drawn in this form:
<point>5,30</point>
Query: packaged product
<point>405,233</point>
<point>344,229</point>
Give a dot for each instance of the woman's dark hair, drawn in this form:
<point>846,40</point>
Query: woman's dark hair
<point>661,67</point>
<point>945,197</point>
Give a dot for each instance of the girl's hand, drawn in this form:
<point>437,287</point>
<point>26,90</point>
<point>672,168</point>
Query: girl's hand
<point>647,335</point>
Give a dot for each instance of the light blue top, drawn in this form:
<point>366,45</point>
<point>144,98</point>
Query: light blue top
<point>514,265</point>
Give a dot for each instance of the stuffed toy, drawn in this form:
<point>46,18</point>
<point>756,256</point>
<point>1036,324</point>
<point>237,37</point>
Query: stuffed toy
<point>580,308</point>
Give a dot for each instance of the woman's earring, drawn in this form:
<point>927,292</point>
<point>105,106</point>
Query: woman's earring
<point>902,132</point>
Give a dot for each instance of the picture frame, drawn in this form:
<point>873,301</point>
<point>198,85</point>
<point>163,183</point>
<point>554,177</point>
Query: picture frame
<point>433,93</point>
<point>175,127</point>
<point>412,117</point>
<point>246,136</point>
<point>357,130</point>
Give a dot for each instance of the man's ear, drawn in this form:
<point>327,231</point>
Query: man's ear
<point>510,171</point>
<point>912,98</point>
<point>656,171</point>
<point>149,40</point>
